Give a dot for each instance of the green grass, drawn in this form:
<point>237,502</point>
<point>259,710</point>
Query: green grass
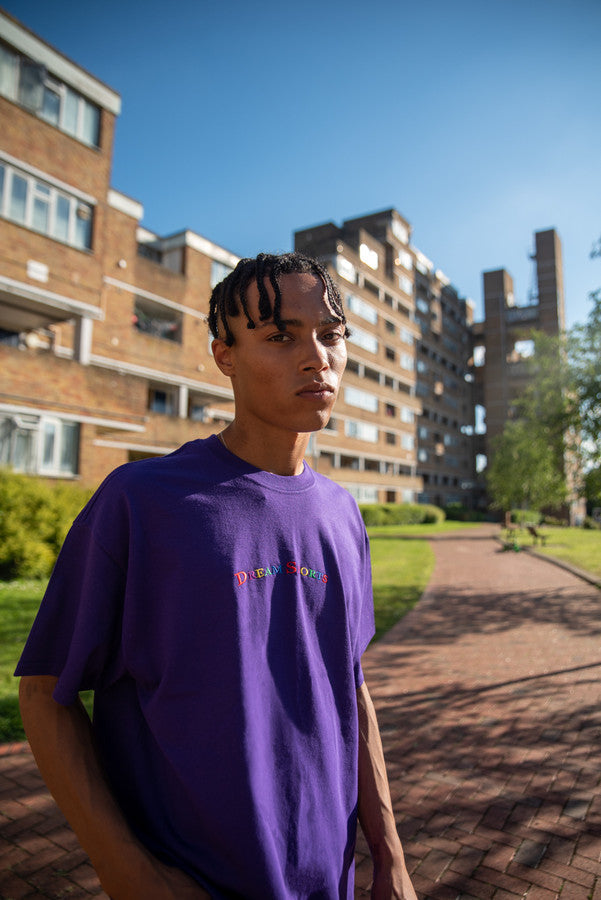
<point>401,571</point>
<point>578,546</point>
<point>19,602</point>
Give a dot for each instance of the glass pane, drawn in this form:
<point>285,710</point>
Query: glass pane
<point>22,451</point>
<point>2,180</point>
<point>51,105</point>
<point>83,226</point>
<point>41,207</point>
<point>31,85</point>
<point>69,447</point>
<point>8,73</point>
<point>91,124</point>
<point>61,218</point>
<point>48,437</point>
<point>18,198</point>
<point>70,111</point>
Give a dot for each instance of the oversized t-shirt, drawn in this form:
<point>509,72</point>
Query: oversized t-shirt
<point>220,612</point>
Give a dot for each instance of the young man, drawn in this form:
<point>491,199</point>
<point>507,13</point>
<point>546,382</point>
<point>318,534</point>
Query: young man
<point>218,601</point>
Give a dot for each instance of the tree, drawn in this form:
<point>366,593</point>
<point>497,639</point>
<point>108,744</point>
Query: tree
<point>523,473</point>
<point>553,437</point>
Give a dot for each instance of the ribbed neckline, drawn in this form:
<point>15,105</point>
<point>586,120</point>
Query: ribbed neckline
<point>288,484</point>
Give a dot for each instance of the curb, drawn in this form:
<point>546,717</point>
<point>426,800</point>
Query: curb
<point>560,563</point>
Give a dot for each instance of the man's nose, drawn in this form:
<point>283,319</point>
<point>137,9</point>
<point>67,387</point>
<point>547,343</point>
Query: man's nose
<point>315,356</point>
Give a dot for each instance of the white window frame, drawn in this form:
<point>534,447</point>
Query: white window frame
<point>362,431</point>
<point>77,206</point>
<point>363,339</point>
<point>361,308</point>
<point>62,90</point>
<point>361,399</point>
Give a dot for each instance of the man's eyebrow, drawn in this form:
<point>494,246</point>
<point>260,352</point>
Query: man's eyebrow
<point>298,323</point>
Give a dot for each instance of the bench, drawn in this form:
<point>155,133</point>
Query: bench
<point>538,536</point>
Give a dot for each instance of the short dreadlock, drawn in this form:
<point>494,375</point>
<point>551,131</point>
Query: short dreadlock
<point>231,293</point>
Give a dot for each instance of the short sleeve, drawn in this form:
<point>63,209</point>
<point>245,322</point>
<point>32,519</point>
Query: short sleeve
<point>76,634</point>
<point>366,620</point>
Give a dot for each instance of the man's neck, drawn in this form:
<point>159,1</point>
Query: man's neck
<point>281,454</point>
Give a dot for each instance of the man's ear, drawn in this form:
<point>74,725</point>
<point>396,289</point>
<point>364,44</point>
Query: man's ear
<point>223,356</point>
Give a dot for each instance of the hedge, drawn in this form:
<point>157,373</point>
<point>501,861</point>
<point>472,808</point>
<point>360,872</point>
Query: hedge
<point>400,513</point>
<point>35,516</point>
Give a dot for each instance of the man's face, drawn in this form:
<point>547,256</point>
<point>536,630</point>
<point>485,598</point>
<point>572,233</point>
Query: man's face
<point>286,380</point>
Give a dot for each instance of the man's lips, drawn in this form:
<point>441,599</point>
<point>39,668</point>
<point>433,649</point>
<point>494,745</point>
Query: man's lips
<point>317,389</point>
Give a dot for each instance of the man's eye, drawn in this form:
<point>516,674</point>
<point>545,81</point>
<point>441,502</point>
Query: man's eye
<point>280,338</point>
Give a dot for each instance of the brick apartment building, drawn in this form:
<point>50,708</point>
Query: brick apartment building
<point>104,349</point>
<point>407,411</point>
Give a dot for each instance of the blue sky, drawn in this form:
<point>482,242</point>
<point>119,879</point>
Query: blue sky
<point>479,121</point>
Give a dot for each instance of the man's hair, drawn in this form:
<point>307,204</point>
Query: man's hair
<point>230,295</point>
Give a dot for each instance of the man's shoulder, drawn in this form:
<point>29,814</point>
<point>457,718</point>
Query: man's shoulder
<point>335,493</point>
<point>148,477</point>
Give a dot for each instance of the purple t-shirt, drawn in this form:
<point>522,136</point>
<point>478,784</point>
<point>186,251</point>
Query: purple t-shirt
<point>220,613</point>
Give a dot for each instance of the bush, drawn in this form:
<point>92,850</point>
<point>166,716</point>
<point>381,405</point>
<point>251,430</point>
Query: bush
<point>457,512</point>
<point>525,517</point>
<point>35,516</point>
<point>591,524</point>
<point>400,513</point>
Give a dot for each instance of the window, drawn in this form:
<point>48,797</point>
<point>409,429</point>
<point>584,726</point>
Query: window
<point>346,269</point>
<point>157,320</point>
<point>390,410</point>
<point>406,362</point>
<point>400,232</point>
<point>44,208</point>
<point>405,284</point>
<point>405,259</point>
<point>407,442</point>
<point>39,445</point>
<point>407,415</point>
<point>364,339</point>
<point>219,271</point>
<point>361,308</point>
<point>390,326</point>
<point>390,438</point>
<point>407,336</point>
<point>422,455</point>
<point>390,354</point>
<point>162,401</point>
<point>27,83</point>
<point>361,399</point>
<point>363,431</point>
<point>368,256</point>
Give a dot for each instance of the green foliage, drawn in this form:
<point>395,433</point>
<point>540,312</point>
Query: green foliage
<point>400,513</point>
<point>457,512</point>
<point>591,524</point>
<point>525,517</point>
<point>35,516</point>
<point>524,472</point>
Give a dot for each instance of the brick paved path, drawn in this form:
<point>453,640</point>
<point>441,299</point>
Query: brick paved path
<point>489,700</point>
<point>488,696</point>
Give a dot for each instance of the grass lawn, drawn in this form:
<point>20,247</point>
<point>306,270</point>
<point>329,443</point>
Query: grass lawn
<point>578,546</point>
<point>401,571</point>
<point>19,602</point>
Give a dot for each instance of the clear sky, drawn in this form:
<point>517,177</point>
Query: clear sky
<point>243,120</point>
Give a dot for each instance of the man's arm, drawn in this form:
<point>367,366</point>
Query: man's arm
<point>62,742</point>
<point>391,879</point>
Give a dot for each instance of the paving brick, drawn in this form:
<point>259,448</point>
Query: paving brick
<point>487,695</point>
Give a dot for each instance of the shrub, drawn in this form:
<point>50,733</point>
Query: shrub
<point>35,516</point>
<point>591,524</point>
<point>525,517</point>
<point>400,513</point>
